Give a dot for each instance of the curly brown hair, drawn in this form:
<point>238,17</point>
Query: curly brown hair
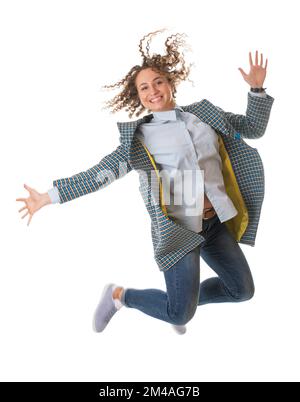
<point>172,65</point>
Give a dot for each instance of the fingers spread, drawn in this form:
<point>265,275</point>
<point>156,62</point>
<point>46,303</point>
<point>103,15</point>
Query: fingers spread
<point>29,220</point>
<point>27,187</point>
<point>250,59</point>
<point>25,214</point>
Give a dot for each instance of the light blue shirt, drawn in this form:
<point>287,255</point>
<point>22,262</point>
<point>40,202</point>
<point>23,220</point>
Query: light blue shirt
<point>187,151</point>
<point>185,148</point>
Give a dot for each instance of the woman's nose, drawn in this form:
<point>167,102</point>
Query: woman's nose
<point>153,90</point>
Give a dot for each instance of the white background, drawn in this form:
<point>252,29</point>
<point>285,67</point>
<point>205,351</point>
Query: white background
<point>55,56</point>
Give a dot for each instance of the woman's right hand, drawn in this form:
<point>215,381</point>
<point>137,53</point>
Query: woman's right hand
<point>34,202</point>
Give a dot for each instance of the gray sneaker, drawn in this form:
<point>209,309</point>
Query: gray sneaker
<point>179,329</point>
<point>106,308</point>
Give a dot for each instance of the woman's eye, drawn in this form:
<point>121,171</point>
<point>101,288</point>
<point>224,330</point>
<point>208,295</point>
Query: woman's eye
<point>157,82</point>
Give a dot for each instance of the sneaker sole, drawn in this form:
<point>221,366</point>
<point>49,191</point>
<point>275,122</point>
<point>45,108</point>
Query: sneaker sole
<point>179,329</point>
<point>101,298</point>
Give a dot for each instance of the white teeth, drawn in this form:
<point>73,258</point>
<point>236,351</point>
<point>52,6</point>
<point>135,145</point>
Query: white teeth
<point>156,99</point>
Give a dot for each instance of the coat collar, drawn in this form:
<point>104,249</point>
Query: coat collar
<point>204,110</point>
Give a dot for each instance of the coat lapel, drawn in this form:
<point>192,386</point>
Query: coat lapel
<point>209,114</point>
<point>127,129</point>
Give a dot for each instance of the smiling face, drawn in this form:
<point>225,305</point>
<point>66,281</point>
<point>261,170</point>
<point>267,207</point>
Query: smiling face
<point>154,90</point>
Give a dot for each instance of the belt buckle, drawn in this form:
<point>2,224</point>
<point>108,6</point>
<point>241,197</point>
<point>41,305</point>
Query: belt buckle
<point>209,210</point>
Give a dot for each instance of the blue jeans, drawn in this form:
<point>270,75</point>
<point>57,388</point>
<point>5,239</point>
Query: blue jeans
<point>178,305</point>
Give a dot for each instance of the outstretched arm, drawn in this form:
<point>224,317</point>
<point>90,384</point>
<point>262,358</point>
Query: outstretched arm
<point>110,168</point>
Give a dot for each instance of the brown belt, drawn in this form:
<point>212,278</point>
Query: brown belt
<point>208,213</point>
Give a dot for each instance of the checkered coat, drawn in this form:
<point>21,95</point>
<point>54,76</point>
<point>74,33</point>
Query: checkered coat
<point>171,241</point>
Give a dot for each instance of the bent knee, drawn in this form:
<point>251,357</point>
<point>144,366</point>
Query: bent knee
<point>245,293</point>
<point>183,316</point>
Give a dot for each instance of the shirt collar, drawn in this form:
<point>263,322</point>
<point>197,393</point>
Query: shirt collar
<point>169,115</point>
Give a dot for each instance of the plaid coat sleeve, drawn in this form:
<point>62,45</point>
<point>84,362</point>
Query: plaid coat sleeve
<point>254,124</point>
<point>110,168</point>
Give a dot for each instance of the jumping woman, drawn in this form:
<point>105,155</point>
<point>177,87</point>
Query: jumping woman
<point>202,185</point>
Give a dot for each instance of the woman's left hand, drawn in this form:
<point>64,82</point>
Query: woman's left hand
<point>257,74</point>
